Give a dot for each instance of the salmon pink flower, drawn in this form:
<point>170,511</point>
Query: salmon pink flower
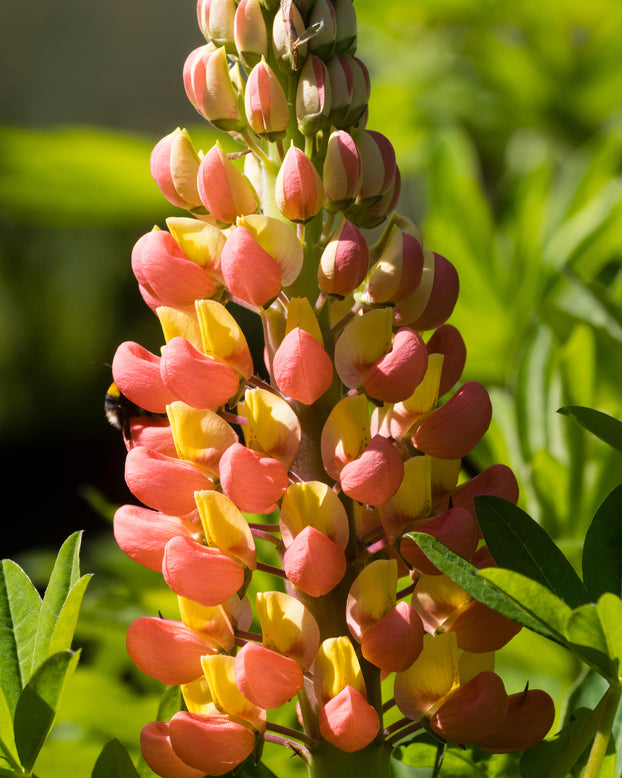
<point>164,483</point>
<point>272,427</point>
<point>345,434</point>
<point>265,677</point>
<point>446,340</point>
<point>156,747</point>
<point>253,482</point>
<point>302,369</point>
<point>432,303</point>
<point>219,670</point>
<point>375,476</point>
<point>496,480</point>
<point>529,717</point>
<point>348,721</point>
<point>167,649</point>
<point>136,372</point>
<point>313,562</point>
<point>313,504</point>
<point>213,744</point>
<point>200,241</point>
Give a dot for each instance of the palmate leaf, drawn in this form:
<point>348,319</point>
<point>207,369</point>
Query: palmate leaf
<point>518,543</point>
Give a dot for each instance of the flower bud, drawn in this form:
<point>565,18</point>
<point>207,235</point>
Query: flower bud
<point>361,87</point>
<point>224,191</point>
<point>397,272</point>
<point>287,29</point>
<point>341,87</point>
<point>216,22</point>
<point>313,97</point>
<point>378,165</point>
<point>345,15</point>
<point>250,33</point>
<point>344,261</point>
<point>298,190</point>
<point>265,103</point>
<point>446,340</point>
<point>433,301</point>
<point>341,173</point>
<point>174,166</point>
<point>209,88</point>
<point>323,42</point>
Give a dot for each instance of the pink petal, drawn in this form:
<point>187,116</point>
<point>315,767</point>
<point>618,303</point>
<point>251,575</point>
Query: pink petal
<point>529,717</point>
<point>447,341</point>
<point>498,480</point>
<point>376,475</point>
<point>136,372</point>
<point>348,721</point>
<point>302,369</point>
<point>394,642</point>
<point>200,573</point>
<point>194,377</point>
<point>395,377</point>
<point>266,678</point>
<point>142,533</point>
<point>480,629</point>
<point>212,744</point>
<point>313,563</point>
<point>455,528</point>
<point>166,649</point>
<point>253,482</point>
<point>157,750</point>
<point>164,483</point>
<point>250,273</point>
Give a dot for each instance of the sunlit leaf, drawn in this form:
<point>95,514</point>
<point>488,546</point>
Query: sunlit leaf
<point>64,576</point>
<point>62,635</point>
<point>7,739</point>
<point>19,612</point>
<point>598,423</point>
<point>36,707</point>
<point>587,632</point>
<point>520,544</point>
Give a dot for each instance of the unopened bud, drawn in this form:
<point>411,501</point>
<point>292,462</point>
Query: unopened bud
<point>287,29</point>
<point>344,261</point>
<point>361,88</point>
<point>174,167</point>
<point>209,88</point>
<point>298,191</point>
<point>398,271</point>
<point>345,40</point>
<point>265,103</point>
<point>250,33</point>
<point>215,19</point>
<point>323,42</point>
<point>342,85</point>
<point>341,173</point>
<point>224,191</point>
<point>313,96</point>
<point>434,300</point>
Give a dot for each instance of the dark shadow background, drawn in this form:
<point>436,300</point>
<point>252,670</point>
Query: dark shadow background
<point>67,295</point>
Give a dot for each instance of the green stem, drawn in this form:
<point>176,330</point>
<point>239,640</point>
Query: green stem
<point>603,733</point>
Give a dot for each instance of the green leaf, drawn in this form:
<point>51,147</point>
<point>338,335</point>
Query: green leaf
<point>530,595</point>
<point>114,762</point>
<point>471,579</point>
<point>520,544</point>
<point>65,626</point>
<point>602,550</point>
<point>7,739</point>
<point>170,703</point>
<point>36,707</point>
<point>598,423</point>
<point>540,759</point>
<point>64,576</point>
<point>589,635</point>
<point>19,612</point>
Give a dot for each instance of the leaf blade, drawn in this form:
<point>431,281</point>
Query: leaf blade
<point>602,549</point>
<point>598,423</point>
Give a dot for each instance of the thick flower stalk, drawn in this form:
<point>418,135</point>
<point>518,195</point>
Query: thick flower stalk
<point>346,433</point>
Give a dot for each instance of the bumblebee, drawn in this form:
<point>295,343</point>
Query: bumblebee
<point>120,411</point>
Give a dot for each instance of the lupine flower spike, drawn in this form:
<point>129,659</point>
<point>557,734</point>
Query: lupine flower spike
<point>309,459</point>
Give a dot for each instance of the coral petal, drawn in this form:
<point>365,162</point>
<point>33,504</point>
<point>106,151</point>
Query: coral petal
<point>348,721</point>
<point>213,744</point>
<point>252,481</point>
<point>157,750</point>
<point>268,679</point>
<point>314,563</point>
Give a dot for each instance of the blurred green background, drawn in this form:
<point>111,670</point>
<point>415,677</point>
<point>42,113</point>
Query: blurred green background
<point>507,122</point>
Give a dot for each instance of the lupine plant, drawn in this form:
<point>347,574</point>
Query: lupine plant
<point>325,461</point>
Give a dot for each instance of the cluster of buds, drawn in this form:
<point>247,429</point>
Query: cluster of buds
<point>347,433</point>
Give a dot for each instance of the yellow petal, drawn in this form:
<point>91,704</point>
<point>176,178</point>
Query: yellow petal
<point>179,323</point>
<point>314,504</point>
<point>225,527</point>
<point>288,627</point>
<point>222,336</point>
<point>210,621</point>
<point>200,241</point>
<point>364,340</point>
<point>219,671</point>
<point>200,436</point>
<point>346,433</point>
<point>273,427</point>
<point>301,314</point>
<point>372,595</point>
<point>198,697</point>
<point>336,666</point>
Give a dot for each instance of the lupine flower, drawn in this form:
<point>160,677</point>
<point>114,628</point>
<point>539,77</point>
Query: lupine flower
<point>347,437</point>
